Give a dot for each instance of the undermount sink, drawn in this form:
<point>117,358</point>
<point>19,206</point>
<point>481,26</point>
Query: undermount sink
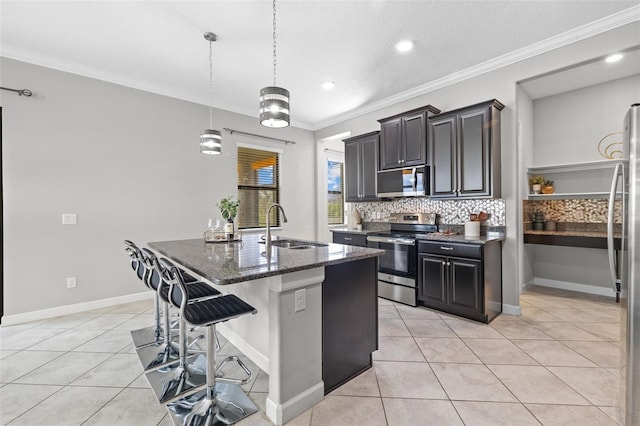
<point>295,244</point>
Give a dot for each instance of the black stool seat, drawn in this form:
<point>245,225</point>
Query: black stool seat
<point>195,289</point>
<point>211,311</point>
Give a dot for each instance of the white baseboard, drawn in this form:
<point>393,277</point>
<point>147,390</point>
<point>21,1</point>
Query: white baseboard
<point>567,285</point>
<point>253,354</point>
<point>511,309</point>
<point>75,308</point>
<point>280,414</point>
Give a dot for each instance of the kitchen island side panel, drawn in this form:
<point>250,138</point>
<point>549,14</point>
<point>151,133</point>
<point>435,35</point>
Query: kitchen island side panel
<point>349,320</point>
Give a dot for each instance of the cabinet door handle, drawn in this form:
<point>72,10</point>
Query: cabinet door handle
<point>446,248</point>
<point>448,263</point>
<point>444,263</point>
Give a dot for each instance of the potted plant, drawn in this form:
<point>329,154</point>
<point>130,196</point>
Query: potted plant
<point>228,209</point>
<point>536,184</point>
<point>547,187</point>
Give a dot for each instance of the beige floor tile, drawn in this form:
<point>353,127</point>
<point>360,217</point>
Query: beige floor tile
<point>547,302</point>
<point>570,415</point>
<point>71,405</point>
<point>137,322</point>
<point>604,315</point>
<point>598,385</point>
<point>573,315</point>
<point>521,330</point>
<point>107,321</point>
<point>130,407</point>
<point>551,352</point>
<point>494,414</point>
<point>16,399</point>
<point>4,354</point>
<point>384,302</point>
<point>446,349</point>
<point>388,311</point>
<point>140,382</point>
<point>566,331</point>
<point>499,351</point>
<point>468,382</point>
<point>366,384</point>
<point>22,363</point>
<point>109,341</point>
<point>604,354</point>
<point>392,327</point>
<point>398,349</point>
<point>67,340</point>
<point>472,329</point>
<point>166,421</point>
<point>534,384</point>
<point>303,419</point>
<point>118,371</point>
<point>429,328</point>
<point>261,384</point>
<point>348,411</point>
<point>606,331</point>
<point>139,307</point>
<point>410,312</point>
<point>68,321</point>
<point>403,412</point>
<point>407,380</point>
<point>614,414</point>
<point>27,337</point>
<point>537,315</point>
<point>502,318</point>
<point>64,369</point>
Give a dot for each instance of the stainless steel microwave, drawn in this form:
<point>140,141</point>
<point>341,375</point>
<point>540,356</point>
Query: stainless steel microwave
<point>405,182</point>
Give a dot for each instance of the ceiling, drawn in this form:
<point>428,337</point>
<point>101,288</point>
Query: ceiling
<point>158,46</point>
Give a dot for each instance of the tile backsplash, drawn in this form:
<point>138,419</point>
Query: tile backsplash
<point>451,212</point>
<point>576,211</point>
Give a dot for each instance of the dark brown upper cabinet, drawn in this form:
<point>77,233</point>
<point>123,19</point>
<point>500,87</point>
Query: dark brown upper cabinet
<point>403,138</point>
<point>464,152</point>
<point>361,166</point>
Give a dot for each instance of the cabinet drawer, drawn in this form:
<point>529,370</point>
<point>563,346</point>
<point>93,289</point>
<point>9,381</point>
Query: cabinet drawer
<point>350,239</point>
<point>472,251</point>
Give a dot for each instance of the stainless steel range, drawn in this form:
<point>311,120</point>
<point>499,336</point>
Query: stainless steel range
<point>397,270</point>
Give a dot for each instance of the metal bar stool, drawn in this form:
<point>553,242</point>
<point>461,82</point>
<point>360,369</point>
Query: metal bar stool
<point>223,401</point>
<point>189,371</point>
<point>139,263</point>
<point>165,351</point>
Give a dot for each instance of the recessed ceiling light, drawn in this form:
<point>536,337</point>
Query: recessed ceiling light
<point>328,85</point>
<point>614,58</point>
<point>404,46</point>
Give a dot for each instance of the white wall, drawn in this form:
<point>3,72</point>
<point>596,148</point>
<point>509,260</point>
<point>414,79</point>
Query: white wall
<point>568,126</point>
<point>128,163</point>
<point>501,84</point>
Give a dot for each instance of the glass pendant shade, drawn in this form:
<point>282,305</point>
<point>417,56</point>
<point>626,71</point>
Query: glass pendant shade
<point>274,107</point>
<point>210,142</point>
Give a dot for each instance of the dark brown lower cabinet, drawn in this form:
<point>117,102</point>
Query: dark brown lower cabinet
<point>349,320</point>
<point>461,279</point>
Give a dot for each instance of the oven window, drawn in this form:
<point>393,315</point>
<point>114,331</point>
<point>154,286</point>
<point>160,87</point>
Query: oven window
<point>397,259</point>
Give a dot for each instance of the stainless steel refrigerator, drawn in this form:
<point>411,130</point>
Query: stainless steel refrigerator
<point>627,273</point>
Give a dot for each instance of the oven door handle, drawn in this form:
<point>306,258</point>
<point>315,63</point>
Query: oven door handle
<point>402,241</point>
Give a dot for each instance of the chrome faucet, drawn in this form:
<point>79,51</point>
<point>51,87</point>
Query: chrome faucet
<point>268,237</point>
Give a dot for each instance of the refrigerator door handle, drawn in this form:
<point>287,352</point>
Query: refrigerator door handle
<point>610,247</point>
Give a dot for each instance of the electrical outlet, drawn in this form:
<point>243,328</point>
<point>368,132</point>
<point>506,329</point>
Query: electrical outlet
<point>72,282</point>
<point>579,214</point>
<point>69,219</point>
<point>301,300</point>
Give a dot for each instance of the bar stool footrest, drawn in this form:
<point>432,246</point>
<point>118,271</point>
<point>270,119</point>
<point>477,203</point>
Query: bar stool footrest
<point>220,375</point>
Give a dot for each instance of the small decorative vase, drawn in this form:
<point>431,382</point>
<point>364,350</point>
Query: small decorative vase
<point>547,189</point>
<point>536,188</point>
<point>228,229</point>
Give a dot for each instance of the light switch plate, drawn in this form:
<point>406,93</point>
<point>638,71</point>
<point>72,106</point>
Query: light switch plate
<point>69,219</point>
<point>72,282</point>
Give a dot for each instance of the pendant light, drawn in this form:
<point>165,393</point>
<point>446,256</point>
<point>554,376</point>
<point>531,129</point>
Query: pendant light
<point>210,139</point>
<point>274,100</point>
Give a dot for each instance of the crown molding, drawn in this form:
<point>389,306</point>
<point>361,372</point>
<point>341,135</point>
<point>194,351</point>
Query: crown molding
<point>18,54</point>
<point>594,28</point>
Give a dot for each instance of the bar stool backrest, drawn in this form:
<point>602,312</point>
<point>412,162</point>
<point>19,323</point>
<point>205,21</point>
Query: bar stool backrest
<point>137,260</point>
<point>154,277</point>
<point>172,276</point>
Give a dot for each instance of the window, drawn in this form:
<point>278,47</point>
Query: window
<point>258,187</point>
<point>335,191</point>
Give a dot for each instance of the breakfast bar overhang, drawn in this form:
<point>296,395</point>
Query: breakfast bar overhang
<point>292,335</point>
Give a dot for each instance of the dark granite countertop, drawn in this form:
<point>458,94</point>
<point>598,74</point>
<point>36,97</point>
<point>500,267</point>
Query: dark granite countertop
<point>228,263</point>
<point>461,238</point>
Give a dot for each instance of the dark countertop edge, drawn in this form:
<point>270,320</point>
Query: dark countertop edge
<point>353,231</point>
<point>554,238</point>
<point>363,253</point>
<point>461,238</point>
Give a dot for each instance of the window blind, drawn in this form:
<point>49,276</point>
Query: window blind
<point>258,187</point>
<point>335,192</point>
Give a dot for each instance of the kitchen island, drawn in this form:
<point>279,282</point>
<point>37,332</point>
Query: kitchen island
<point>311,302</point>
